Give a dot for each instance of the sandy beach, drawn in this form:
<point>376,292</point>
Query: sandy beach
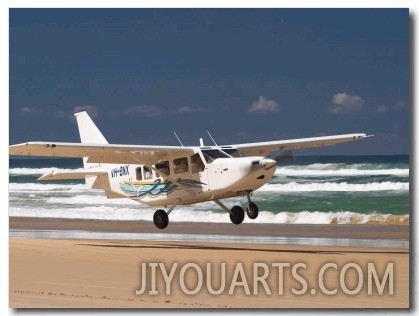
<point>81,273</point>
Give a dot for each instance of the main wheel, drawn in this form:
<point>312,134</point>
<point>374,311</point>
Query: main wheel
<point>252,210</point>
<point>161,219</point>
<point>237,215</point>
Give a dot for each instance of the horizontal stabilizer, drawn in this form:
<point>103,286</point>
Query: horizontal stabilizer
<point>71,175</point>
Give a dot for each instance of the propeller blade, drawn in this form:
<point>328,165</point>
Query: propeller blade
<point>283,156</point>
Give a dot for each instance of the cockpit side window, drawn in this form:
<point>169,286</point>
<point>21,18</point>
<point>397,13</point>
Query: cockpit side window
<point>197,163</point>
<point>163,167</point>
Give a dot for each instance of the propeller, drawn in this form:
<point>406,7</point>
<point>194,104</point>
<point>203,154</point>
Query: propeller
<point>282,156</point>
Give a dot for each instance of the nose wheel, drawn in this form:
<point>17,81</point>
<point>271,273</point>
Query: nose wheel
<point>236,212</point>
<point>252,210</point>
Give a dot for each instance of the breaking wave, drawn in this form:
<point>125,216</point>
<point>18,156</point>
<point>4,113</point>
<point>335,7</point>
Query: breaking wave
<point>344,187</point>
<point>336,187</point>
<point>39,171</point>
<point>186,214</point>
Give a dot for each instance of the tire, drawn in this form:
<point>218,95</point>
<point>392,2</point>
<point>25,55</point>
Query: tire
<point>252,210</point>
<point>161,219</point>
<point>237,215</point>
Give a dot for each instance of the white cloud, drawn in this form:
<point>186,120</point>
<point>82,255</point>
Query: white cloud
<point>188,109</point>
<point>27,111</point>
<point>146,110</point>
<point>346,103</point>
<point>60,114</point>
<point>262,105</point>
<point>401,105</point>
<point>382,109</point>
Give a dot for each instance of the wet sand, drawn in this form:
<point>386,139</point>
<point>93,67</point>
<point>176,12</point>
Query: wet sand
<point>365,231</point>
<point>106,273</point>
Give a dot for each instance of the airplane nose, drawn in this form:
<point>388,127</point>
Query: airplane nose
<point>267,163</point>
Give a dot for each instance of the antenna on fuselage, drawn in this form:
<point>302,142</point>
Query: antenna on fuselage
<point>178,139</point>
<point>212,138</point>
<point>201,142</point>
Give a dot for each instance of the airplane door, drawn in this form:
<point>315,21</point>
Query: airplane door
<point>199,171</point>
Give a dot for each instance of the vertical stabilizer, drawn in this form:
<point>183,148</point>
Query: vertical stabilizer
<point>89,133</point>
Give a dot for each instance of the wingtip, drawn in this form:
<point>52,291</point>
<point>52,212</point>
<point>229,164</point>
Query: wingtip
<point>79,112</point>
<point>46,176</point>
<point>16,149</point>
<point>363,135</point>
<point>366,135</point>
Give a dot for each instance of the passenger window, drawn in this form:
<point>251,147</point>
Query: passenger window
<point>148,174</point>
<point>197,164</point>
<point>138,174</point>
<point>163,167</point>
<point>180,165</point>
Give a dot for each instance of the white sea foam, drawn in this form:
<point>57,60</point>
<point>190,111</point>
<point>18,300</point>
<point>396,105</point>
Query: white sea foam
<point>273,187</point>
<point>317,169</point>
<point>39,171</point>
<point>189,214</point>
<point>45,187</point>
<point>335,187</point>
<point>307,172</point>
<point>69,200</point>
<point>338,166</point>
<point>92,199</point>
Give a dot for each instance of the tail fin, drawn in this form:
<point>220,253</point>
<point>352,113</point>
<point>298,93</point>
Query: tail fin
<point>89,133</point>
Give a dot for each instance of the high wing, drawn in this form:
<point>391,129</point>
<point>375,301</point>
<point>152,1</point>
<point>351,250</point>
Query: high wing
<point>102,153</point>
<point>150,155</point>
<point>263,148</point>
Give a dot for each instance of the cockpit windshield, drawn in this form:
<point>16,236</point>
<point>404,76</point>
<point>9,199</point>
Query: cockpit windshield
<point>233,152</point>
<point>211,154</point>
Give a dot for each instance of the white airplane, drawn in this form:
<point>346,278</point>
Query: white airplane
<point>172,175</point>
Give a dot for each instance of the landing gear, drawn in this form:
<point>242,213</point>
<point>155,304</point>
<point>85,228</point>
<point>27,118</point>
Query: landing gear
<point>237,212</point>
<point>161,219</point>
<point>252,210</point>
<point>237,215</point>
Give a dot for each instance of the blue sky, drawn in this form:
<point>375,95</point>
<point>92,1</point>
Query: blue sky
<point>245,75</point>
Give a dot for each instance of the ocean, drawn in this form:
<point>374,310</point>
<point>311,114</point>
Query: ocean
<point>309,190</point>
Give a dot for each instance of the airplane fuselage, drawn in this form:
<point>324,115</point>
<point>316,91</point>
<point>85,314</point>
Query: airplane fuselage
<point>207,179</point>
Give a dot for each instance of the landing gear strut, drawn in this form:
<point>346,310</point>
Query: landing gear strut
<point>252,209</point>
